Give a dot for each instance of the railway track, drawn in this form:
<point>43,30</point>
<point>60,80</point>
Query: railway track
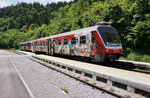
<point>141,68</point>
<point>78,77</point>
<point>128,66</point>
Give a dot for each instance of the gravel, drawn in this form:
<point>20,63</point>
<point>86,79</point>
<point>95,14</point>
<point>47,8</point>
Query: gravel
<point>46,83</point>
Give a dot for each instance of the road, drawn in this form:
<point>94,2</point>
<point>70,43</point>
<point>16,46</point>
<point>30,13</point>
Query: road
<point>11,85</point>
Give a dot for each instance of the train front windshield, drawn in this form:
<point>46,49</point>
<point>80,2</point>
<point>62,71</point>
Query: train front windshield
<point>110,36</point>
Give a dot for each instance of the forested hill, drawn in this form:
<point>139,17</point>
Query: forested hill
<point>15,17</point>
<point>24,21</point>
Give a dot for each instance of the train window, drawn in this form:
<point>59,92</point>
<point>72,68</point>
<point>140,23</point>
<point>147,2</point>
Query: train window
<point>93,37</point>
<point>43,43</point>
<point>59,41</point>
<point>82,39</point>
<point>65,41</point>
<point>73,40</point>
<point>46,42</point>
<point>54,41</point>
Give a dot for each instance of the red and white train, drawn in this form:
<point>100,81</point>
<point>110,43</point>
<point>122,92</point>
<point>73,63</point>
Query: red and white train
<point>100,43</point>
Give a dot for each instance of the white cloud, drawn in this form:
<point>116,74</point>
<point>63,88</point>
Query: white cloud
<point>62,0</point>
<point>31,1</point>
<point>42,1</point>
<point>3,3</point>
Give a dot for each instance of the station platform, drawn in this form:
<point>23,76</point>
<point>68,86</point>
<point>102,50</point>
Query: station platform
<point>138,64</point>
<point>133,80</point>
<point>12,84</point>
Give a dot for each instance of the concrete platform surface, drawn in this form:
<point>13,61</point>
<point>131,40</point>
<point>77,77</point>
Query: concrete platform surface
<point>11,85</point>
<point>135,79</point>
<point>139,64</point>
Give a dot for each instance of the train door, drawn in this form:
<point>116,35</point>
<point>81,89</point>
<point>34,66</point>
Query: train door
<point>31,46</point>
<point>35,46</point>
<point>73,46</point>
<point>93,46</point>
<point>51,47</point>
<point>82,45</point>
<point>96,49</point>
<point>41,45</point>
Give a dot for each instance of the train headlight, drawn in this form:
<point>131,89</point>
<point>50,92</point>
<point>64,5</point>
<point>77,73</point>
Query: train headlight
<point>106,50</point>
<point>121,50</point>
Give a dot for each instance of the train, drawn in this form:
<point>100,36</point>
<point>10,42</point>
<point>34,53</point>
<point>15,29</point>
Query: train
<point>99,43</point>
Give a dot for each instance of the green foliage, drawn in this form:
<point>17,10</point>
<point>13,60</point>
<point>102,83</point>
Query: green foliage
<point>11,38</point>
<point>64,89</point>
<point>15,17</point>
<point>137,57</point>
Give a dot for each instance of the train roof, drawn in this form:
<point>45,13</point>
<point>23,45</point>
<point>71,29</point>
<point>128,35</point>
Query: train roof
<point>103,23</point>
<point>75,31</point>
<point>69,33</point>
<point>27,42</point>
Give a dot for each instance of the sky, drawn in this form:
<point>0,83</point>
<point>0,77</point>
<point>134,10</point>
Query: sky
<point>4,3</point>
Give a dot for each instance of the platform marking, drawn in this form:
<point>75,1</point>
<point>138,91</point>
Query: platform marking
<point>27,88</point>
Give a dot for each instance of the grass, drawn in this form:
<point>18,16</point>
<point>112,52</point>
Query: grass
<point>64,89</point>
<point>8,49</point>
<point>133,56</point>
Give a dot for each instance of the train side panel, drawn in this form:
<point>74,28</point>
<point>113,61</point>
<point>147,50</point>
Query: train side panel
<point>77,44</point>
<point>97,42</point>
